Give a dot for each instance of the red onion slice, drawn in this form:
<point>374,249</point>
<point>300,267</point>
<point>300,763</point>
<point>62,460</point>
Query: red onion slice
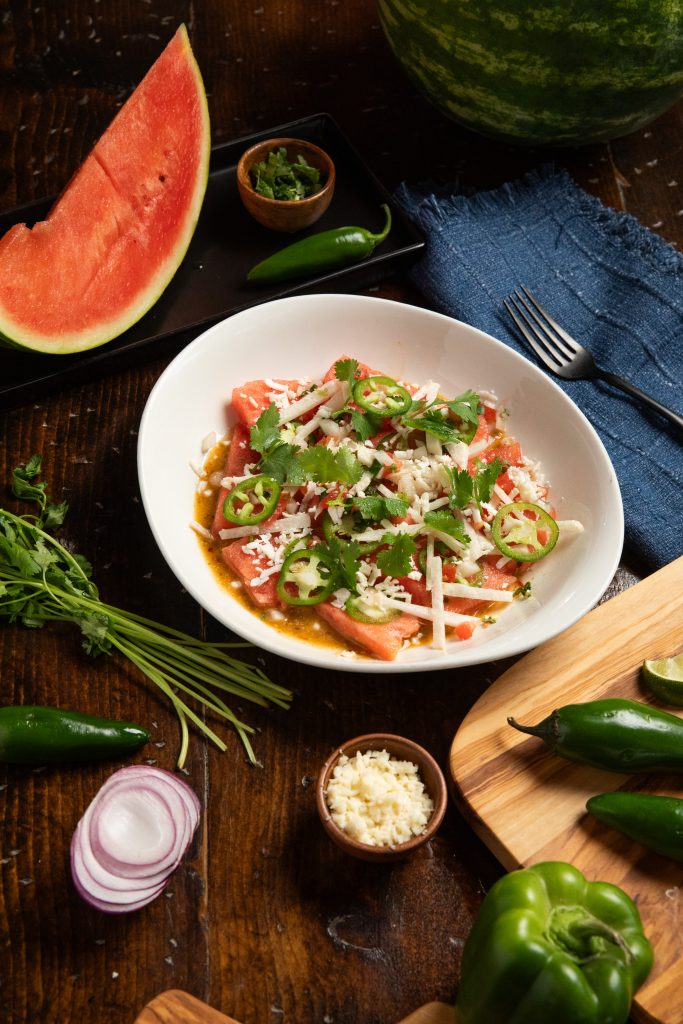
<point>134,830</point>
<point>132,837</point>
<point>103,893</point>
<point>179,786</point>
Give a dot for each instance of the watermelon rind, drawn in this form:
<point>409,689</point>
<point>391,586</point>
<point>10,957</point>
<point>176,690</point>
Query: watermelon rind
<point>114,178</point>
<point>548,73</point>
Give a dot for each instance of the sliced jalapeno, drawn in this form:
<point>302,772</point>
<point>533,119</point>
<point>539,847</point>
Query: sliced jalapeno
<point>381,395</point>
<point>344,531</point>
<point>524,531</point>
<point>252,500</point>
<point>363,609</point>
<point>305,578</point>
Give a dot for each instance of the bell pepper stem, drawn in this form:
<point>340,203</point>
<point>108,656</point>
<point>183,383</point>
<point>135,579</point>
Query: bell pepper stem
<point>572,928</point>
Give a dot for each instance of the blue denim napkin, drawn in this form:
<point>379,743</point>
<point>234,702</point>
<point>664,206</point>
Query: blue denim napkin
<point>611,283</point>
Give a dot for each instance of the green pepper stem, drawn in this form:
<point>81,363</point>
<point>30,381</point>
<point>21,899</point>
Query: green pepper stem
<point>376,239</point>
<point>572,928</point>
<point>533,730</point>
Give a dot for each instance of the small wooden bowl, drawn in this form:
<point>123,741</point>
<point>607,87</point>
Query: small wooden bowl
<point>286,214</point>
<point>402,749</point>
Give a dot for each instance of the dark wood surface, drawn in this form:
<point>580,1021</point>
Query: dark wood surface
<point>266,919</point>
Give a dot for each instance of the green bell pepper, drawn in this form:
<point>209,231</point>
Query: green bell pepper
<point>550,947</point>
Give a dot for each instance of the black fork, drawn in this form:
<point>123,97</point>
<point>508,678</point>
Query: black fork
<point>563,355</point>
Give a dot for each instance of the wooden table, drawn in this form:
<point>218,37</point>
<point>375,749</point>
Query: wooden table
<point>266,919</point>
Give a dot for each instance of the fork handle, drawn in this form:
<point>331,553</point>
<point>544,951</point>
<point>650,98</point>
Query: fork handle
<point>630,389</point>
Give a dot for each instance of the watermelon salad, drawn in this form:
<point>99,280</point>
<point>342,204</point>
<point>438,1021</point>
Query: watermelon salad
<point>395,515</point>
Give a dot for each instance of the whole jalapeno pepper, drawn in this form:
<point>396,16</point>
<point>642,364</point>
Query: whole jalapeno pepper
<point>252,500</point>
<point>325,250</point>
<point>615,734</point>
<point>654,821</point>
<point>39,735</point>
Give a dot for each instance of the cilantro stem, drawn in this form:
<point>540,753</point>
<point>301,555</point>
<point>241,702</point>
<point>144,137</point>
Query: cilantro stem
<point>42,581</point>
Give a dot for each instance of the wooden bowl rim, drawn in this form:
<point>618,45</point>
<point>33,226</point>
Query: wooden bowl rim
<point>251,155</point>
<point>408,750</point>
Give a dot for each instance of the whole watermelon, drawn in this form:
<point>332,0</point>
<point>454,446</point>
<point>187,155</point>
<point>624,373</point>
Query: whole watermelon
<point>553,72</point>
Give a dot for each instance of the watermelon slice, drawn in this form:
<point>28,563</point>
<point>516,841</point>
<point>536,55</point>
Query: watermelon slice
<point>382,640</point>
<point>119,231</point>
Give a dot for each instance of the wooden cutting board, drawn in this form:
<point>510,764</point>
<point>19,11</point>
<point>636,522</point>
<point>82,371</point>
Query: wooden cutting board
<point>176,1007</point>
<point>528,805</point>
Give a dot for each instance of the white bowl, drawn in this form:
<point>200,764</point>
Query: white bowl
<point>302,336</point>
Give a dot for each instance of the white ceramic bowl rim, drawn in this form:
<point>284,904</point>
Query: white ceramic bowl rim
<point>301,336</point>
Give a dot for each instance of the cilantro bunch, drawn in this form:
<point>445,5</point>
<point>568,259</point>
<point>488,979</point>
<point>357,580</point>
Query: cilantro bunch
<point>42,581</point>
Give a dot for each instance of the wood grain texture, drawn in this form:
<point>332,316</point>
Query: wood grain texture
<point>176,1007</point>
<point>265,916</point>
<point>528,805</point>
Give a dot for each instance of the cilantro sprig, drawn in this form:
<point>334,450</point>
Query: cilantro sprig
<point>445,522</point>
<point>288,463</point>
<point>465,488</point>
<point>42,581</point>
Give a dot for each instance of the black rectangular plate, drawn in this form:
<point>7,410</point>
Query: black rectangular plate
<point>210,283</point>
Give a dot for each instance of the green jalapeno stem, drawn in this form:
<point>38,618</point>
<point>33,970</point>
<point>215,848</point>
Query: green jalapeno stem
<point>322,251</point>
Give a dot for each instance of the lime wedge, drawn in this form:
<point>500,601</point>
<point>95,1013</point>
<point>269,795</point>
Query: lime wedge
<point>664,677</point>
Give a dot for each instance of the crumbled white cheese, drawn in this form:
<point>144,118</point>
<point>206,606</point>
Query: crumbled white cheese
<point>378,800</point>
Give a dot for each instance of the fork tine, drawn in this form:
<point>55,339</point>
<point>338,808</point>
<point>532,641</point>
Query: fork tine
<point>542,353</point>
<point>545,333</point>
<point>571,344</point>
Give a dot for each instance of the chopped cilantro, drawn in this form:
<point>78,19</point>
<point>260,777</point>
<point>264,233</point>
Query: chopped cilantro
<point>276,463</point>
<point>346,369</point>
<point>343,558</point>
<point>466,407</point>
<point>466,488</point>
<point>445,522</point>
<point>524,591</point>
<point>266,431</point>
<point>365,424</point>
<point>435,423</point>
<point>320,464</point>
<point>278,178</point>
<point>375,506</point>
<point>396,560</point>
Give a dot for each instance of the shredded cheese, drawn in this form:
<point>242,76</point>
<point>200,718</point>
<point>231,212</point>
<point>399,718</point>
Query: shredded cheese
<point>378,800</point>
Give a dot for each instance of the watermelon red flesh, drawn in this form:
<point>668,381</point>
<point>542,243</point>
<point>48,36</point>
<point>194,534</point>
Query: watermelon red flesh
<point>254,397</point>
<point>117,234</point>
<point>248,568</point>
<point>542,73</point>
<point>382,640</point>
